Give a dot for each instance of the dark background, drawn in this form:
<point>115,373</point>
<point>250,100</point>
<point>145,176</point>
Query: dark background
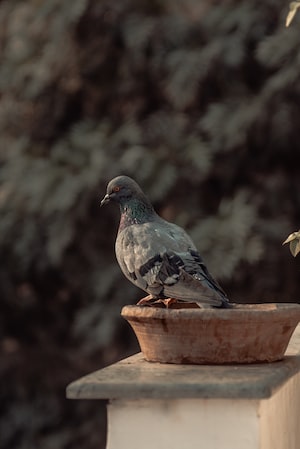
<point>199,102</point>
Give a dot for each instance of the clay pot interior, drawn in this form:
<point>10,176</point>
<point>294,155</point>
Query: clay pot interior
<point>186,334</point>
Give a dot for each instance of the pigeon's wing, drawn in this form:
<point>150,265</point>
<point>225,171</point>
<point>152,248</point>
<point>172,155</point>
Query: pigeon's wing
<point>161,259</point>
<point>195,266</point>
<point>185,279</point>
<point>167,275</point>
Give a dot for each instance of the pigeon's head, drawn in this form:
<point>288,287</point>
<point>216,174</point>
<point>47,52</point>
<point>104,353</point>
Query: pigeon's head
<point>121,190</point>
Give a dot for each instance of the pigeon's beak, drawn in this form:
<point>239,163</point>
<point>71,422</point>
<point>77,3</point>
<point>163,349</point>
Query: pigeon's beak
<point>105,200</point>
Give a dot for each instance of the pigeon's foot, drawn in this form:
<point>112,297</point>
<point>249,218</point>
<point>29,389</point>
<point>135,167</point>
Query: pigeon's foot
<point>147,301</point>
<point>156,302</point>
<point>169,301</point>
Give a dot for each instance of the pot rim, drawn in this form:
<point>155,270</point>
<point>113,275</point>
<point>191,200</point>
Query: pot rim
<point>237,312</point>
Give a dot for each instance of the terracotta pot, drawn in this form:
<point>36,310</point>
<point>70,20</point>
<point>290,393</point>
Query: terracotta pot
<point>243,334</point>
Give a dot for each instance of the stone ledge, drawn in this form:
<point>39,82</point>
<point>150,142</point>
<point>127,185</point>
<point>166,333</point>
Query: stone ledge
<point>134,378</point>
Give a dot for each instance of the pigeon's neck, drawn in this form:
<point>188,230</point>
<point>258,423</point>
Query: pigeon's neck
<point>136,211</point>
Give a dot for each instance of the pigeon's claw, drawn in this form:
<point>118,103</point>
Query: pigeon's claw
<point>151,301</point>
<point>147,301</point>
<point>169,301</point>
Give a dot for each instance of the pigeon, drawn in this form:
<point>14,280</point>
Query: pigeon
<point>158,256</point>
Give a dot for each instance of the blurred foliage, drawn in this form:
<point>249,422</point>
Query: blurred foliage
<point>199,102</point>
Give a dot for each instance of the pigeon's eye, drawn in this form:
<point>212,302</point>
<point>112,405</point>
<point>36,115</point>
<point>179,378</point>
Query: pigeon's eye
<point>116,189</point>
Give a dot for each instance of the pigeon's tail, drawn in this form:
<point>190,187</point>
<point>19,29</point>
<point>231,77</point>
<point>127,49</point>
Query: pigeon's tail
<point>225,304</point>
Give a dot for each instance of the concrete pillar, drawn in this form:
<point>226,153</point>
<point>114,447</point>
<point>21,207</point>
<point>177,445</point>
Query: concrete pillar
<point>160,406</point>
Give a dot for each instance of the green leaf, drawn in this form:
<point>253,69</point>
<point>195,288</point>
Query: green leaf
<point>293,9</point>
<point>295,247</point>
<point>293,236</point>
<point>294,241</point>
